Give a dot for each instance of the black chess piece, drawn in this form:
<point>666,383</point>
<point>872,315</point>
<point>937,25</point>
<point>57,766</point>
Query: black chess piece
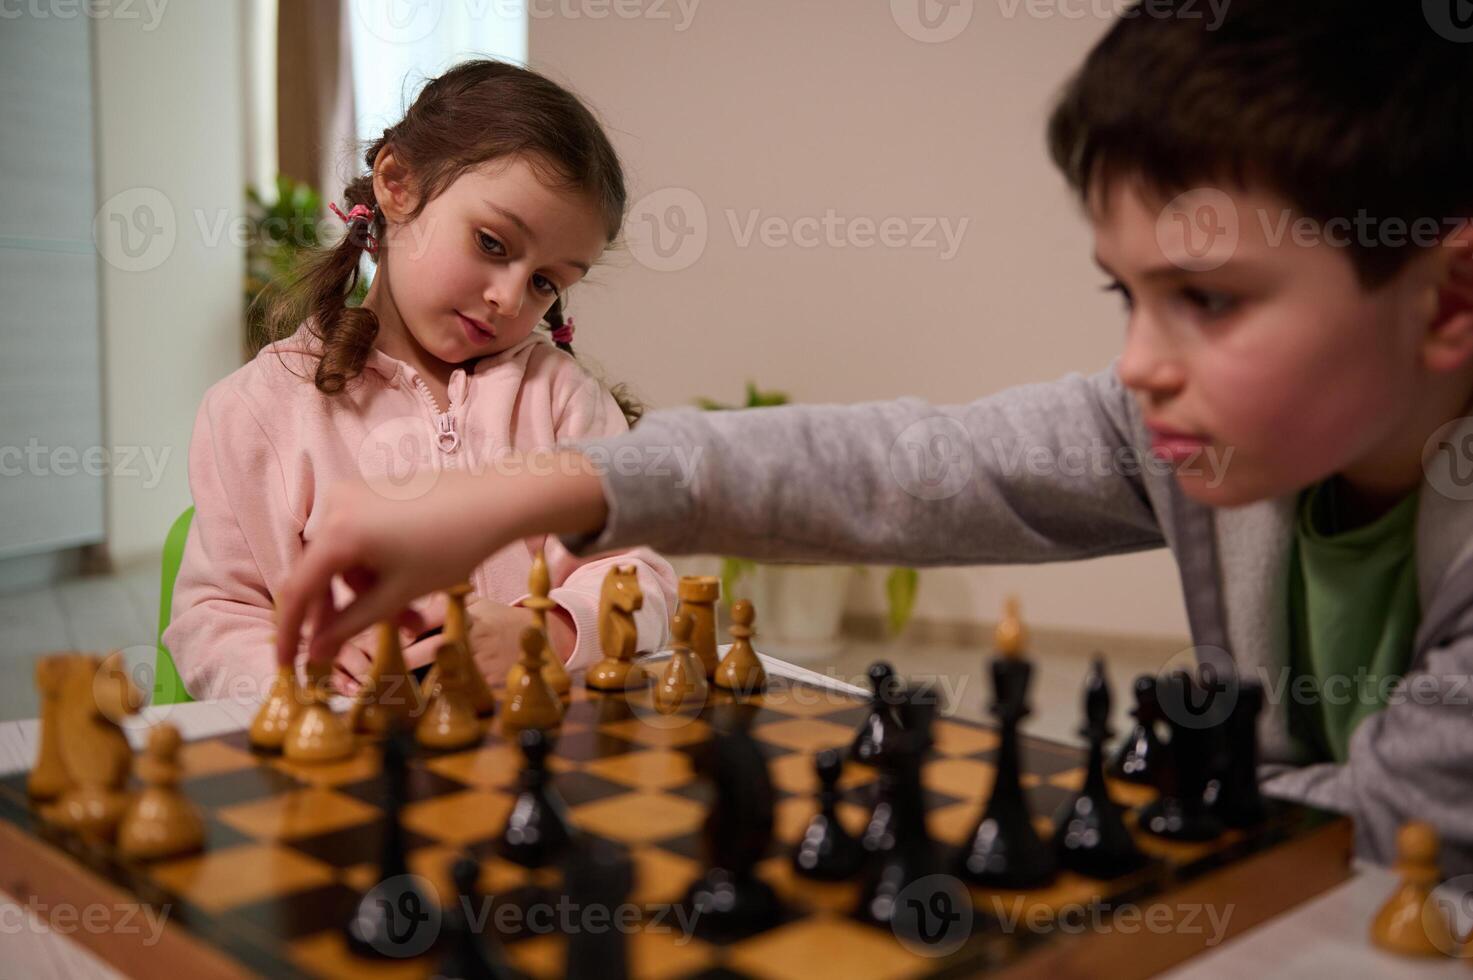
<point>395,918</point>
<point>899,849</point>
<point>1135,760</point>
<point>826,850</point>
<point>869,741</point>
<point>1233,794</point>
<point>597,875</point>
<point>1181,811</point>
<point>537,828</point>
<point>1004,850</point>
<point>1090,837</point>
<point>468,955</point>
<point>729,900</point>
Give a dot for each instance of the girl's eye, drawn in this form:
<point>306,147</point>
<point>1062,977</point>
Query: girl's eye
<point>489,243</point>
<point>544,285</point>
<point>1119,287</point>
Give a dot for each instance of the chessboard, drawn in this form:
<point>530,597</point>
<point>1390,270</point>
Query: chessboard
<point>290,848</point>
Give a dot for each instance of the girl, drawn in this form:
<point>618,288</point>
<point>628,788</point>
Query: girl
<point>481,208</point>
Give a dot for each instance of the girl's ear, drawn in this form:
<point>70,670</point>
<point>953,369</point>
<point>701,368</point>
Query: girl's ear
<point>1449,343</point>
<point>393,187</point>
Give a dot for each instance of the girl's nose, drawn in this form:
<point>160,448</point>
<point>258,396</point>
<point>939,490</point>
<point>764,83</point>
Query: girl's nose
<point>505,293</point>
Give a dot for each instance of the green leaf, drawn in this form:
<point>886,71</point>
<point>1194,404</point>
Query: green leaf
<point>900,587</point>
<point>732,570</point>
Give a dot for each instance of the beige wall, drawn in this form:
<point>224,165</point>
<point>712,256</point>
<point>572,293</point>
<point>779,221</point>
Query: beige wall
<point>169,107</point>
<point>788,110</point>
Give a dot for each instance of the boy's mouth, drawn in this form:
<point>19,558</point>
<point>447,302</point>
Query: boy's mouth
<point>1175,445</point>
<point>476,331</point>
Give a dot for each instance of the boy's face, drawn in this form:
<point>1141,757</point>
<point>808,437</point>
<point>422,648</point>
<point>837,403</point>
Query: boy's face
<point>477,269</point>
<point>1259,362</point>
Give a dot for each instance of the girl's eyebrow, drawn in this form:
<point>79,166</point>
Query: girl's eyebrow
<point>526,230</point>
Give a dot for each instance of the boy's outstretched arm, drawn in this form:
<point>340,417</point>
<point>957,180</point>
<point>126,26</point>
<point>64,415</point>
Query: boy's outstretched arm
<point>1039,472</point>
<point>391,551</point>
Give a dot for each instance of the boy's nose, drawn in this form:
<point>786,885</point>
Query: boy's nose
<point>1148,364</point>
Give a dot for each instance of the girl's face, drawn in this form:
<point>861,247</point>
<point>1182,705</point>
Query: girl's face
<point>475,271</point>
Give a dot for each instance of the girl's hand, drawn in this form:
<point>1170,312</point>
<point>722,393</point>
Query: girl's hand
<point>355,660</point>
<point>392,551</point>
<point>494,632</point>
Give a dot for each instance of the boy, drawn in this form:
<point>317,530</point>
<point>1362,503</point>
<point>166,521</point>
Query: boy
<point>1282,201</point>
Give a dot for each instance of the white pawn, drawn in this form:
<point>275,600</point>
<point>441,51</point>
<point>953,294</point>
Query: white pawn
<point>160,822</point>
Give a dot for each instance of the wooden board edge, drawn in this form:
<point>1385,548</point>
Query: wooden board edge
<point>34,872</point>
<point>1259,887</point>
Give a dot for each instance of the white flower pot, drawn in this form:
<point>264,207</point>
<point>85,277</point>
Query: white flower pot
<point>799,609</point>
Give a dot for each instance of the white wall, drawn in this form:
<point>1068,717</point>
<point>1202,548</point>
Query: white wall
<point>171,163</point>
<point>789,108</point>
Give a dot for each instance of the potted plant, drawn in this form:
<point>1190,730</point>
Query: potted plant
<point>801,606</point>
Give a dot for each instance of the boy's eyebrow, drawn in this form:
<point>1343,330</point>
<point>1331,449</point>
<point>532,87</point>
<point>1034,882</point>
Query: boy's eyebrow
<point>525,229</point>
<point>1167,270</point>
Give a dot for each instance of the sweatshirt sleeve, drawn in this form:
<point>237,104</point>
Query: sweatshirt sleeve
<point>242,542</point>
<point>577,581</point>
<point>1039,472</point>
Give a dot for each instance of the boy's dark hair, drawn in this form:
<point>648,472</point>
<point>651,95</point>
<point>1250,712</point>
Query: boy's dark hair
<point>1341,107</point>
<point>474,113</point>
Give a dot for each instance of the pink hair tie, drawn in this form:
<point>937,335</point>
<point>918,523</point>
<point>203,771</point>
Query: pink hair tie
<point>359,212</point>
<point>564,334</point>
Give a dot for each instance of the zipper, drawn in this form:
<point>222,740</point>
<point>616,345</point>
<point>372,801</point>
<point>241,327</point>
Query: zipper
<point>447,436</point>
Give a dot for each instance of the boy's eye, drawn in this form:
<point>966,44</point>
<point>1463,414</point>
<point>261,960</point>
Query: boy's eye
<point>1119,287</point>
<point>1208,301</point>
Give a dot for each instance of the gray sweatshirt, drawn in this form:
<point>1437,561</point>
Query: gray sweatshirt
<point>1061,471</point>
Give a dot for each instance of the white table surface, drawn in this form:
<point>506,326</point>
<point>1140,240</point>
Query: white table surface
<point>1325,937</point>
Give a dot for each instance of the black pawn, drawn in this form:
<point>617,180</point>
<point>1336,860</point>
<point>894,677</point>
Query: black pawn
<point>1234,796</point>
<point>597,875</point>
<point>899,849</point>
<point>1181,812</point>
<point>394,918</point>
<point>537,827</point>
<point>1004,850</point>
<point>880,723</point>
<point>729,900</point>
<point>827,851</point>
<point>467,955</point>
<point>1136,759</point>
<point>1090,836</point>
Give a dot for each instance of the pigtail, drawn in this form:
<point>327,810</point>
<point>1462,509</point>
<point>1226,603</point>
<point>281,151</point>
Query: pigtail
<point>322,286</point>
<point>631,406</point>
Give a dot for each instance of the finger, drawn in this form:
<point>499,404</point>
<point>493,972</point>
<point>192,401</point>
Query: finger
<point>360,579</point>
<point>412,621</point>
<point>313,573</point>
<point>373,606</point>
<point>321,615</point>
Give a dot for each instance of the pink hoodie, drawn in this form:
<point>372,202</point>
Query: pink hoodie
<point>267,444</point>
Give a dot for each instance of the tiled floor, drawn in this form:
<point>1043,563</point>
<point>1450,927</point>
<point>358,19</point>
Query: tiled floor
<point>98,613</point>
<point>120,611</point>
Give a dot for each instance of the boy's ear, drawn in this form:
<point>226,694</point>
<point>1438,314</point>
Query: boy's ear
<point>393,187</point>
<point>1449,344</point>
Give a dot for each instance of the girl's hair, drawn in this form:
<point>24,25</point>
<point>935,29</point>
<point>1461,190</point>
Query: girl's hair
<point>476,112</point>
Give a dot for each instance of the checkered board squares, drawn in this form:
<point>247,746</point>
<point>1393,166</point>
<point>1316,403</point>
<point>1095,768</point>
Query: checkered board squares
<point>291,847</point>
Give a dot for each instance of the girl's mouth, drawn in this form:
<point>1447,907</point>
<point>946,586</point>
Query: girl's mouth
<point>475,331</point>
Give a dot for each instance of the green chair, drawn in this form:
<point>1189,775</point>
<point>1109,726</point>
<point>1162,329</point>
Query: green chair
<point>167,687</point>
